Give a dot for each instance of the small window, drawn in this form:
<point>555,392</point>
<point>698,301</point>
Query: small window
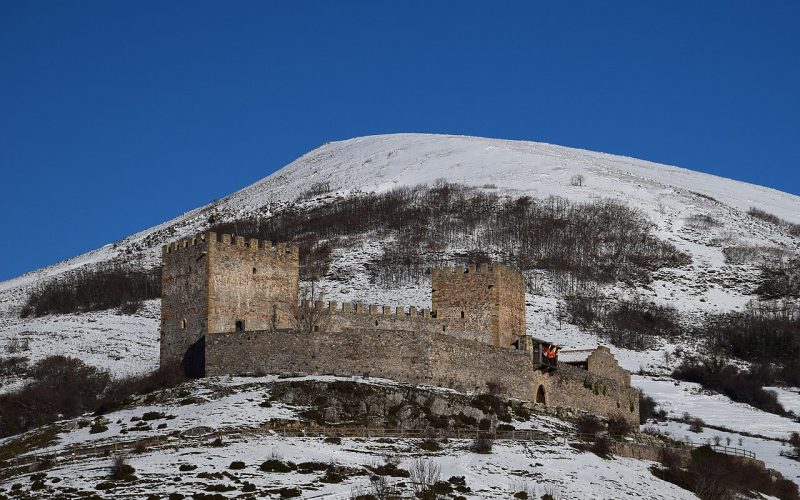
<point>240,326</point>
<point>444,328</point>
<point>462,314</point>
<point>183,324</point>
<point>254,270</point>
<point>376,322</point>
<point>316,328</point>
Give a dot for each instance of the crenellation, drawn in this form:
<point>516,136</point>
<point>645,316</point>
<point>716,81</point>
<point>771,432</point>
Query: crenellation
<point>218,289</point>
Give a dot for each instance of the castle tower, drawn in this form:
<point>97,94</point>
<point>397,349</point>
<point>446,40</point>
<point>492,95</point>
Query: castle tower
<point>483,302</point>
<point>212,284</point>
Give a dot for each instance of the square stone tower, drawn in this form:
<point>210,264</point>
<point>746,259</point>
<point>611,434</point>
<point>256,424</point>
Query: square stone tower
<point>481,302</point>
<point>212,284</point>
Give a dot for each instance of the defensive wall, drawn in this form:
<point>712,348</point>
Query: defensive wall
<point>480,299</point>
<point>417,357</point>
<point>219,283</point>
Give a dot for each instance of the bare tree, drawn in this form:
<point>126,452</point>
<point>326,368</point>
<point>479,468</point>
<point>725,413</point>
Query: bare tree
<point>424,474</point>
<point>310,314</point>
<point>577,180</point>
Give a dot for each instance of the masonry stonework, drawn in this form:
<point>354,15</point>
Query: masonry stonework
<point>230,306</point>
<point>481,302</point>
<point>420,358</point>
<point>216,283</point>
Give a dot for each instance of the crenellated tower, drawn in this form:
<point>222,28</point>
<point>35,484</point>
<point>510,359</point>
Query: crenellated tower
<point>481,302</point>
<point>219,283</point>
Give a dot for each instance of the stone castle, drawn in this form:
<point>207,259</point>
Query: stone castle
<point>231,305</point>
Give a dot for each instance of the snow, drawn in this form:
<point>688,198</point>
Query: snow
<point>667,195</point>
<point>233,403</point>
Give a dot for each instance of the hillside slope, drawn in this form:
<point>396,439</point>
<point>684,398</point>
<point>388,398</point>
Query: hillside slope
<point>670,197</point>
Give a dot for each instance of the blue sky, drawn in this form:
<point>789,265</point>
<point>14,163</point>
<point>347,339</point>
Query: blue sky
<point>115,116</point>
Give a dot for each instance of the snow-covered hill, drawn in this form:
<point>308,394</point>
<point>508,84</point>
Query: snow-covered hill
<point>669,196</point>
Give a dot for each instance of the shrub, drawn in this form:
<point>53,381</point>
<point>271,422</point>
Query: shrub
<point>275,465</point>
<point>153,415</point>
<point>602,447</point>
<point>619,425</point>
<point>589,424</point>
<point>105,287</point>
<point>744,388</point>
<point>120,468</point>
<point>481,445</point>
<point>430,445</point>
<point>423,475</point>
<point>609,241</point>
<point>647,408</point>
<point>333,440</point>
<point>236,465</point>
<point>187,467</point>
<point>97,428</point>
<point>696,425</point>
<point>62,386</point>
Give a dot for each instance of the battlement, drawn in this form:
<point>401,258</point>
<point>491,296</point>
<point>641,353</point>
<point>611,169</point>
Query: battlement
<point>468,269</point>
<point>280,250</point>
<point>349,308</point>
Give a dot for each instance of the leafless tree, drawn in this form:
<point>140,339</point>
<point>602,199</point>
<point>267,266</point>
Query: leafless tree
<point>577,180</point>
<point>306,316</point>
<point>424,474</point>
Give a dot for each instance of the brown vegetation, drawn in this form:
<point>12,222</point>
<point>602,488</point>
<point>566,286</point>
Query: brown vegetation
<point>742,387</point>
<point>715,476</point>
<point>66,387</point>
<point>105,287</point>
<point>601,241</point>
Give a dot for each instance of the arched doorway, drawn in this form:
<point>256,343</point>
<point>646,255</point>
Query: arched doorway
<point>540,395</point>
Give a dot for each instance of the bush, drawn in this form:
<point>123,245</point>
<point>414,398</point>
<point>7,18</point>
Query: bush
<point>62,386</point>
<point>619,425</point>
<point>481,445</point>
<point>744,388</point>
<point>105,287</point>
<point>696,425</point>
<point>713,475</point>
<point>430,445</point>
<point>236,465</point>
<point>609,241</point>
<point>276,465</point>
<point>647,408</point>
<point>97,428</point>
<point>589,424</point>
<point>602,447</point>
<point>120,468</point>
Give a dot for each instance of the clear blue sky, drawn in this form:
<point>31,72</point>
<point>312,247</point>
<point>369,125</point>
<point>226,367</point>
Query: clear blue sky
<point>118,115</point>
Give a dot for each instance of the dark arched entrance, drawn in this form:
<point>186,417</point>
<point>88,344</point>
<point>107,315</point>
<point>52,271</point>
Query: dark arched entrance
<point>540,395</point>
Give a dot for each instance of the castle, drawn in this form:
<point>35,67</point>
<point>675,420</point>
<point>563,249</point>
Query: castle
<point>230,305</point>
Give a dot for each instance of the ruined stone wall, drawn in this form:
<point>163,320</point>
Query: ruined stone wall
<point>252,282</point>
<point>511,303</point>
<point>416,357</point>
<point>485,303</point>
<point>582,389</point>
<point>184,302</point>
<point>602,362</point>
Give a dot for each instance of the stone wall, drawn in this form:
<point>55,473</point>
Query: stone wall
<point>420,358</point>
<point>481,302</point>
<point>251,282</point>
<point>603,363</point>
